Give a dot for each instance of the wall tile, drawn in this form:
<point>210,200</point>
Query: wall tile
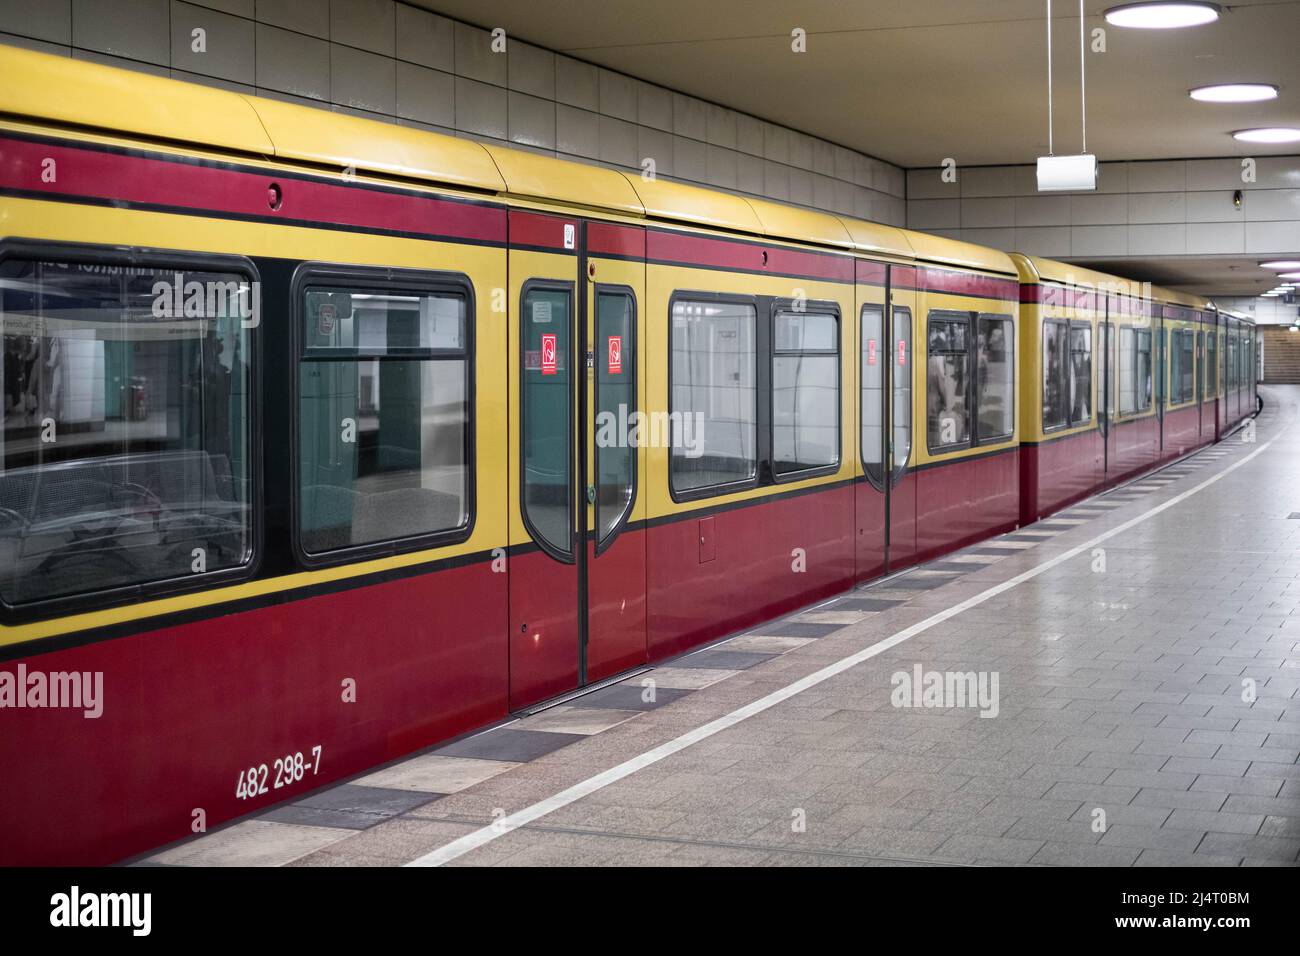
<point>823,158</point>
<point>481,108</point>
<point>801,186</point>
<point>1205,174</point>
<point>690,159</point>
<point>843,159</point>
<point>1157,177</point>
<point>844,200</point>
<point>749,134</point>
<point>366,24</point>
<point>721,126</point>
<point>722,167</point>
<point>1273,238</point>
<point>530,69</point>
<point>132,29</point>
<point>1157,207</point>
<point>40,46</point>
<point>1275,172</point>
<point>1042,210</point>
<point>1216,238</point>
<point>475,59</point>
<point>425,38</point>
<point>577,83</point>
<point>776,143</point>
<point>427,96</point>
<point>228,43</point>
<point>1214,206</point>
<point>292,63</point>
<point>934,213</point>
<point>1157,240</point>
<point>239,8</point>
<point>531,120</point>
<point>776,180</point>
<point>212,81</point>
<point>361,80</point>
<point>657,145</point>
<point>617,95</point>
<point>823,191</point>
<point>654,106</point>
<point>1112,177</point>
<point>986,181</point>
<point>801,150</point>
<point>690,117</point>
<point>1262,205</point>
<point>994,238</point>
<point>1097,209</point>
<point>987,213</point>
<point>929,184</point>
<point>577,131</point>
<point>303,16</point>
<point>1052,241</point>
<point>1110,240</point>
<point>749,174</point>
<point>618,142</point>
<point>48,20</point>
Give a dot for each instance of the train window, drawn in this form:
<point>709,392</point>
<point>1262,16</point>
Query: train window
<point>875,352</point>
<point>805,392</point>
<point>1127,371</point>
<point>1211,363</point>
<point>616,444</point>
<point>1199,358</point>
<point>127,440</point>
<point>948,379</point>
<point>1184,365</point>
<point>1080,373</point>
<point>901,410</point>
<point>713,403</point>
<point>1143,369</point>
<point>1055,410</point>
<point>546,415</point>
<point>383,410</point>
<point>996,379</point>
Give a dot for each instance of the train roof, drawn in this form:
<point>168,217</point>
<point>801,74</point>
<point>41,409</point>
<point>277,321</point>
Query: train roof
<point>98,98</point>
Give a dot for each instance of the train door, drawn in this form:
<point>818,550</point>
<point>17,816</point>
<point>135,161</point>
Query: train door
<point>577,574</point>
<point>1106,404</point>
<point>886,500</point>
<point>614,636</point>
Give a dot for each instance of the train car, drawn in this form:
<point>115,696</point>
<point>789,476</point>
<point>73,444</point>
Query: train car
<point>1184,425</point>
<point>1090,419</point>
<point>1238,392</point>
<point>338,439</point>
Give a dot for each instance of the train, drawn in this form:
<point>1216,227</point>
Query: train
<point>328,440</point>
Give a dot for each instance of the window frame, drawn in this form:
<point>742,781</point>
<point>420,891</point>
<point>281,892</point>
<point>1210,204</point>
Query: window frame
<point>172,260</point>
<point>876,481</point>
<point>977,438</point>
<point>951,315</point>
<point>1086,325</point>
<point>576,481</point>
<point>318,274</point>
<point>1063,375</point>
<point>908,382</point>
<point>600,288</point>
<point>726,488</point>
<point>809,307</point>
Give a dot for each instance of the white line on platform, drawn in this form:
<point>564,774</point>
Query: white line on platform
<point>472,841</point>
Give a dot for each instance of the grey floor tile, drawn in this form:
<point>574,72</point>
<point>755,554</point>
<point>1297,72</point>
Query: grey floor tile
<point>625,697</point>
<point>722,660</point>
<point>518,746</point>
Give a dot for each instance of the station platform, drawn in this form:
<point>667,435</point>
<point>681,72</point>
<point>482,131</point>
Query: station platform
<point>1135,663</point>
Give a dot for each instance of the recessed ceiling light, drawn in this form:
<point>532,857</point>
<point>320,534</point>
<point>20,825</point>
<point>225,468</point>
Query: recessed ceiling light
<point>1234,93</point>
<point>1162,14</point>
<point>1268,134</point>
<point>1289,275</point>
<point>1281,264</point>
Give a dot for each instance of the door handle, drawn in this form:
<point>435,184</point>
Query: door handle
<point>591,494</point>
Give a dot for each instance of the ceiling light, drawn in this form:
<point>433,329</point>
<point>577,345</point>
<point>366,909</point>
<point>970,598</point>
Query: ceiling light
<point>1268,134</point>
<point>1162,14</point>
<point>1234,93</point>
<point>1289,275</point>
<point>1281,264</point>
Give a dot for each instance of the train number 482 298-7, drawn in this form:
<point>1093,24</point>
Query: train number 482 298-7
<point>289,769</point>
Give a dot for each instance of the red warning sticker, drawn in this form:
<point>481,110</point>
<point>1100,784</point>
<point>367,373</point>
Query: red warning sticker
<point>548,353</point>
<point>902,351</point>
<point>615,354</point>
<point>871,351</point>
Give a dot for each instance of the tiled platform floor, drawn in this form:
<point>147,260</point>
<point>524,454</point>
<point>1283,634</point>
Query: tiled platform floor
<point>1122,691</point>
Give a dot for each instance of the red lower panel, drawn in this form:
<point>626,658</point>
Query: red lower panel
<point>1058,473</point>
<point>869,509</point>
<point>965,500</point>
<point>746,572</point>
<point>1182,431</point>
<point>1135,450</point>
<point>903,511</point>
<point>543,628</point>
<point>616,606</point>
<point>187,709</point>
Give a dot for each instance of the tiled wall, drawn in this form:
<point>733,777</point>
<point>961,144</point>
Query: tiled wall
<point>388,60</point>
<point>1264,311</point>
<point>1179,207</point>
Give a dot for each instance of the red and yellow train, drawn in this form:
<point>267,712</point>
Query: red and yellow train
<point>327,440</point>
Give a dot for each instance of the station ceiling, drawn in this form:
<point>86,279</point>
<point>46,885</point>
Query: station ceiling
<point>917,81</point>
